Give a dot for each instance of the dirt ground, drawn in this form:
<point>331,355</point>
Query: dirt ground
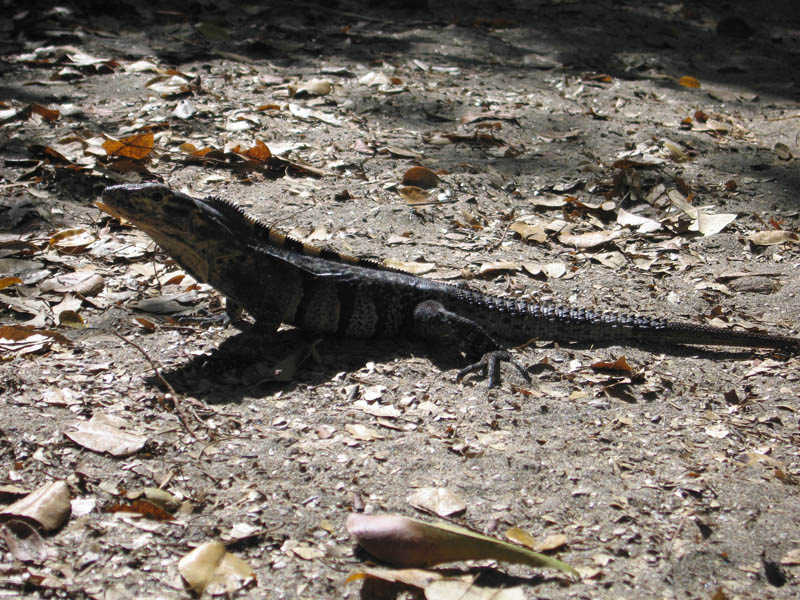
<point>577,161</point>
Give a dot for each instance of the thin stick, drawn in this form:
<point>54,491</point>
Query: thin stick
<point>166,383</point>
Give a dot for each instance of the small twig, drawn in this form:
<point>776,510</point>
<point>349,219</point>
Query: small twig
<point>496,245</point>
<point>161,378</point>
<point>675,537</point>
<point>785,118</point>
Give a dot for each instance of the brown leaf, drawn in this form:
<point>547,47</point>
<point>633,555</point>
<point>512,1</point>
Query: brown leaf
<point>148,325</point>
<point>18,333</point>
<point>621,364</point>
<point>492,268</point>
<point>48,114</point>
<point>206,152</point>
<point>259,153</point>
<point>70,318</point>
<point>416,268</point>
<point>420,177</point>
<point>689,82</point>
<point>9,281</point>
<point>142,507</point>
<point>135,147</point>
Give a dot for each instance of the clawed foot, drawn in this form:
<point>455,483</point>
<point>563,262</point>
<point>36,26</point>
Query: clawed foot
<point>489,366</point>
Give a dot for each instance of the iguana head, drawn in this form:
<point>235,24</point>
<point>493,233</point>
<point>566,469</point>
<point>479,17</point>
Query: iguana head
<point>186,228</point>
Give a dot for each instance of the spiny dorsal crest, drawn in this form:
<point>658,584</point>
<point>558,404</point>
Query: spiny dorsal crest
<point>264,233</point>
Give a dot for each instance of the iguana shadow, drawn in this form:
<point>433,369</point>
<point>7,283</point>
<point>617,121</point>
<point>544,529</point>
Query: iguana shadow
<point>249,364</point>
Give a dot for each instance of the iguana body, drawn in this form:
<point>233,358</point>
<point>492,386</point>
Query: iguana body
<point>280,280</point>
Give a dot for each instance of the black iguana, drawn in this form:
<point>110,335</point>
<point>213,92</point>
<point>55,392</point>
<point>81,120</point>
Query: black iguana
<point>281,280</point>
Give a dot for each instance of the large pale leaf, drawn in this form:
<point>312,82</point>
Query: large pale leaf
<point>49,506</point>
<point>409,543</point>
<point>102,435</point>
<point>210,568</point>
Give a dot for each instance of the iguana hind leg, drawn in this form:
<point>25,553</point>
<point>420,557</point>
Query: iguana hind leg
<point>434,323</point>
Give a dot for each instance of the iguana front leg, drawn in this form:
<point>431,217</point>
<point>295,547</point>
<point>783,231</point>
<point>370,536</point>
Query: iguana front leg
<point>434,323</point>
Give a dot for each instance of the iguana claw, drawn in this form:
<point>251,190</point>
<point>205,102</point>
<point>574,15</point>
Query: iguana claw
<point>489,366</point>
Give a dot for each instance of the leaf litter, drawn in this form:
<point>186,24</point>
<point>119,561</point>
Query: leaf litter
<point>606,458</point>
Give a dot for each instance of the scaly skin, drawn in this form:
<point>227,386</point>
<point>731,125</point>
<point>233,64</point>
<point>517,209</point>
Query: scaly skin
<point>281,280</point>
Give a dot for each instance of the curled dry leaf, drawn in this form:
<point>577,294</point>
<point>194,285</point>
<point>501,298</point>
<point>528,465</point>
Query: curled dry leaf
<point>314,87</point>
<point>72,241</point>
<point>23,541</point>
<point>407,542</point>
<point>420,177</point>
<point>70,318</point>
<point>676,153</point>
<point>210,568</point>
<point>162,498</point>
<point>24,340</point>
<point>84,283</point>
<point>439,501</point>
<point>782,151</point>
<point>491,268</point>
<point>49,506</point>
<point>548,544</point>
<point>621,364</point>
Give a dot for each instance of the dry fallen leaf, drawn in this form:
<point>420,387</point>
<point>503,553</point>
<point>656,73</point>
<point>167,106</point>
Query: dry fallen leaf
<point>100,435</point>
<point>590,239</point>
<point>439,501</point>
<point>9,281</point>
<point>23,541</point>
<point>414,195</point>
<point>496,267</point>
<point>411,543</point>
<point>142,507</point>
<point>689,82</point>
<point>551,542</point>
<point>772,237</point>
<point>530,232</point>
<point>415,268</point>
<point>708,224</point>
<point>135,147</point>
<point>420,177</point>
<point>313,87</point>
<point>419,578</point>
<point>449,589</point>
<point>49,506</point>
<point>210,568</point>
